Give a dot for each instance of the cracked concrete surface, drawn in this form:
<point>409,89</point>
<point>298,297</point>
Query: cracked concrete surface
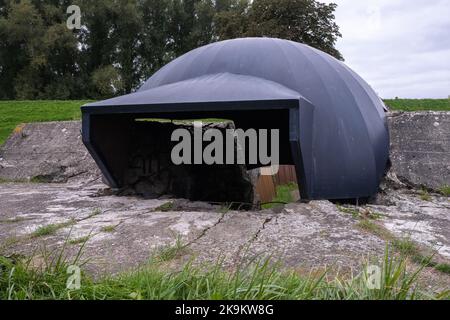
<point>424,221</point>
<point>125,232</point>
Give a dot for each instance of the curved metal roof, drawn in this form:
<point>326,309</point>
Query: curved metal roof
<point>349,137</point>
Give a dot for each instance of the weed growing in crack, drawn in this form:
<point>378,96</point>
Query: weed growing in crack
<point>424,195</point>
<point>360,213</point>
<point>168,206</point>
<point>79,240</point>
<point>51,229</point>
<point>95,212</point>
<point>406,247</point>
<point>109,229</point>
<point>4,181</point>
<point>170,252</point>
<point>445,190</point>
<point>375,229</point>
<point>443,267</point>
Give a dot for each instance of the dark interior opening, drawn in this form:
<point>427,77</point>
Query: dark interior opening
<point>139,154</point>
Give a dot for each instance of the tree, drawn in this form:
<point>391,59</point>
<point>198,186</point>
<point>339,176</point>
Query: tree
<point>231,20</point>
<point>123,42</point>
<point>305,21</point>
<point>107,81</point>
<point>21,54</point>
<point>127,27</point>
<point>38,53</point>
<point>154,38</point>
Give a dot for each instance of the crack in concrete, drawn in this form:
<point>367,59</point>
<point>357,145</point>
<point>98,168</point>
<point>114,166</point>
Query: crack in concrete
<point>205,231</point>
<point>246,246</point>
<point>264,224</point>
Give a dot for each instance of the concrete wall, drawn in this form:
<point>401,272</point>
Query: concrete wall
<point>420,148</point>
<point>47,152</point>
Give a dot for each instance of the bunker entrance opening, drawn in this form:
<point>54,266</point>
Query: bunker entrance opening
<point>140,153</point>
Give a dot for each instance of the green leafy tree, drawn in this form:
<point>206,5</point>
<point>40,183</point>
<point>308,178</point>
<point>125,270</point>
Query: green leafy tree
<point>107,81</point>
<point>123,42</point>
<point>38,53</point>
<point>305,21</point>
<point>21,27</point>
<point>232,20</point>
<point>127,27</point>
<point>154,38</point>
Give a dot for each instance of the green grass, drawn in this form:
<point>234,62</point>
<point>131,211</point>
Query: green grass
<point>257,280</point>
<point>166,207</point>
<point>375,229</point>
<point>360,213</point>
<point>3,180</point>
<point>424,195</point>
<point>443,267</point>
<point>109,229</point>
<point>79,240</point>
<point>94,213</point>
<point>14,113</point>
<point>445,190</point>
<point>406,247</point>
<point>283,196</point>
<point>409,248</point>
<point>50,229</point>
<point>418,104</point>
<point>170,252</point>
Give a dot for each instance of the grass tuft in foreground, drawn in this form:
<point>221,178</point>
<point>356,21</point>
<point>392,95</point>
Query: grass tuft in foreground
<point>253,281</point>
<point>170,252</point>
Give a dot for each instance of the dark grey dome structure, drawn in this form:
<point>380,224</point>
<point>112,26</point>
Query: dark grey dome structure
<point>332,124</point>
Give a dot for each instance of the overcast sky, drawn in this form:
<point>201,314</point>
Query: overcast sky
<point>401,47</point>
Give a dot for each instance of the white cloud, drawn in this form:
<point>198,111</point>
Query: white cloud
<point>400,47</point>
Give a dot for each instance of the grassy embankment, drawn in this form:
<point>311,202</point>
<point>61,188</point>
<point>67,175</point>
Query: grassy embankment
<point>418,104</point>
<point>13,113</point>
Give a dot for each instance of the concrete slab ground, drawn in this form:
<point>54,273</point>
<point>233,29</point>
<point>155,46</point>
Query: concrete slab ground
<point>125,232</point>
